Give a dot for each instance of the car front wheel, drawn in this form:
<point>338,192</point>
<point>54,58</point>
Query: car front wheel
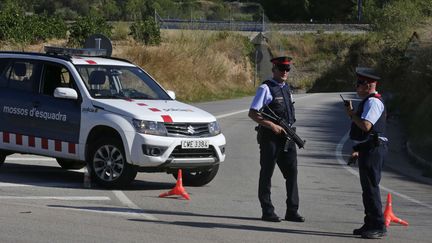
<point>198,178</point>
<point>109,167</point>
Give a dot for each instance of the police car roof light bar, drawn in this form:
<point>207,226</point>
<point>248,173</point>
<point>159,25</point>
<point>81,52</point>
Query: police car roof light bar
<point>90,52</point>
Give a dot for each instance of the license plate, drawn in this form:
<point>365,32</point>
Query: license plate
<point>190,144</point>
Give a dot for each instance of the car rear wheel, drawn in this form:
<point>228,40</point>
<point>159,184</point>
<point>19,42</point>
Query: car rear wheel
<point>198,178</point>
<point>109,167</point>
<point>69,164</point>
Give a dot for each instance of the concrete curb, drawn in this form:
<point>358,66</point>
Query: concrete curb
<point>418,160</point>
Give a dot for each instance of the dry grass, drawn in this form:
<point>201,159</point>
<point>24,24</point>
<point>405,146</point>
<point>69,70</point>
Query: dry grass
<point>197,65</point>
<point>322,62</point>
<point>7,46</point>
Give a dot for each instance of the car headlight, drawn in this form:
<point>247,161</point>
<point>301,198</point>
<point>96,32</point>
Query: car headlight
<point>149,127</point>
<point>214,128</point>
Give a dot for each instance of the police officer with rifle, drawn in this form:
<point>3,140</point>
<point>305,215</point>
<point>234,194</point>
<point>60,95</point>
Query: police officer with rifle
<point>272,108</point>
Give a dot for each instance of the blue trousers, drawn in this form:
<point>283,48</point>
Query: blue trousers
<point>370,163</point>
<point>271,153</point>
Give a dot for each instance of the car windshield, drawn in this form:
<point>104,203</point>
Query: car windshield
<point>117,82</point>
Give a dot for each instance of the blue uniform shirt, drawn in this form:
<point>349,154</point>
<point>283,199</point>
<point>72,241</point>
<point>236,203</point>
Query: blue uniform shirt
<point>373,108</point>
<point>372,111</point>
<point>263,96</point>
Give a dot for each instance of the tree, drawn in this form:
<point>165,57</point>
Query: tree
<point>86,26</point>
<point>135,8</point>
<point>146,31</point>
<point>332,10</point>
<point>277,10</point>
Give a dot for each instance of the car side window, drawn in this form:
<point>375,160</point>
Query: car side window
<point>21,75</point>
<point>56,76</point>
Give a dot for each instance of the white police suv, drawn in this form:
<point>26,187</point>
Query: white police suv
<point>81,107</point>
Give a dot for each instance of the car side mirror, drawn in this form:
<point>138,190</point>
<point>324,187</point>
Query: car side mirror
<point>171,94</point>
<point>65,93</point>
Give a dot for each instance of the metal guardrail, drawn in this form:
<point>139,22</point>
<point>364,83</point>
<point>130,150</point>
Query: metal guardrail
<point>211,25</point>
<point>259,26</point>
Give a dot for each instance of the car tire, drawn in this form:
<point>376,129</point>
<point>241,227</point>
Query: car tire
<point>198,178</point>
<point>109,167</point>
<point>69,164</point>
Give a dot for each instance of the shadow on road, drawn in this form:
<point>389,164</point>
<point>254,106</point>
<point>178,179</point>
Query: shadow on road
<point>51,176</point>
<point>198,224</point>
<point>247,227</point>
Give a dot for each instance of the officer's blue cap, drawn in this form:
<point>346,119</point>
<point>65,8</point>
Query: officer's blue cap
<point>367,74</point>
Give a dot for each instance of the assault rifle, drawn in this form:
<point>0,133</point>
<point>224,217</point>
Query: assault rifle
<point>290,132</point>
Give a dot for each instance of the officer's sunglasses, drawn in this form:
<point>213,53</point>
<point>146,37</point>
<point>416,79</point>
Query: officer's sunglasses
<point>360,82</point>
<point>283,68</point>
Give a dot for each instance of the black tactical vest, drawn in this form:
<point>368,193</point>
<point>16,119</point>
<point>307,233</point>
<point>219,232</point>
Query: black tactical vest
<point>281,104</point>
<point>378,128</point>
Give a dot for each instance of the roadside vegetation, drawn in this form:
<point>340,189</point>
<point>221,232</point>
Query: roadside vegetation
<point>316,55</point>
<point>399,47</point>
<point>198,65</point>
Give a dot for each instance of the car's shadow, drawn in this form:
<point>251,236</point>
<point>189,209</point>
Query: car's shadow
<point>51,176</point>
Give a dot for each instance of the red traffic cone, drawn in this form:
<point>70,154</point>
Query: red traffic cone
<point>389,215</point>
<point>178,189</point>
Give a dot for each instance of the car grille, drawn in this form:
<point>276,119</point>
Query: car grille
<point>187,129</point>
<point>178,152</point>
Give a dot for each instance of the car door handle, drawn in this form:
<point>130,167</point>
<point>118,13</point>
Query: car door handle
<point>36,104</point>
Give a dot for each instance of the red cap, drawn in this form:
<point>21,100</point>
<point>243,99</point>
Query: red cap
<point>281,60</point>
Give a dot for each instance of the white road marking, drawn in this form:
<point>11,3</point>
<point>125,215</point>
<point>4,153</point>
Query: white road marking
<point>68,198</point>
<point>245,110</point>
<point>12,185</point>
<point>38,184</point>
<point>127,202</point>
<point>354,172</point>
<point>231,114</point>
<point>29,159</point>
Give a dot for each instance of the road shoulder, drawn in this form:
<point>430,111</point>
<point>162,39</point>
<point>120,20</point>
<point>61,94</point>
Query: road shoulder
<point>399,158</point>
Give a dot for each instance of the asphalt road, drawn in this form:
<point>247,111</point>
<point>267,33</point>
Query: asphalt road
<point>40,202</point>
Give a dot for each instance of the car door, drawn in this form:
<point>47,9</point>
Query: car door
<point>57,119</point>
<point>18,85</point>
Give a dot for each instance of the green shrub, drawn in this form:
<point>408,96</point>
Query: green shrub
<point>11,23</point>
<point>41,27</point>
<point>121,31</point>
<point>146,31</point>
<point>19,28</point>
<point>85,27</point>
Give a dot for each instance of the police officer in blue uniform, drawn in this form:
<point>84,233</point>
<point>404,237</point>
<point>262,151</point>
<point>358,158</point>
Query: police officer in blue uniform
<point>370,145</point>
<point>276,95</point>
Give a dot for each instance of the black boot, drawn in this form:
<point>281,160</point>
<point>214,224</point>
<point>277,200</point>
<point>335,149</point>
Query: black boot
<point>271,218</point>
<point>374,233</point>
<point>360,230</point>
<point>294,217</point>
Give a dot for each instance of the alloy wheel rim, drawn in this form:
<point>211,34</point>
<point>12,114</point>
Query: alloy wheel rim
<point>108,163</point>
